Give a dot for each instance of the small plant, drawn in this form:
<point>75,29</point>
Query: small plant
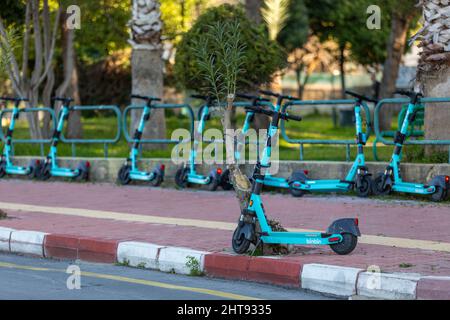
<point>194,266</point>
<point>405,265</point>
<point>3,215</point>
<point>141,265</point>
<point>124,263</point>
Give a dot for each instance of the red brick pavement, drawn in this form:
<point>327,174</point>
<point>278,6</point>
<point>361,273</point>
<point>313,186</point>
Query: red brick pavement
<point>399,219</point>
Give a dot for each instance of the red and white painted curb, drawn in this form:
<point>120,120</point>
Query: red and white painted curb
<point>326,279</point>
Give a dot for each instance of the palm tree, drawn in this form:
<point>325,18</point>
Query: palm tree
<point>433,73</point>
<point>147,63</point>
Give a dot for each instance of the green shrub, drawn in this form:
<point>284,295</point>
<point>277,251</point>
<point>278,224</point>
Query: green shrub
<point>262,57</point>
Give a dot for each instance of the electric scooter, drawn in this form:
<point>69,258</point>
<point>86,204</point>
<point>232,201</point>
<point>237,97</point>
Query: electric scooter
<point>50,167</point>
<point>357,178</point>
<point>187,173</point>
<point>6,164</point>
<point>391,179</point>
<point>342,235</point>
<point>130,171</point>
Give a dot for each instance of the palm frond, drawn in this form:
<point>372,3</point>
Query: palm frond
<point>275,13</point>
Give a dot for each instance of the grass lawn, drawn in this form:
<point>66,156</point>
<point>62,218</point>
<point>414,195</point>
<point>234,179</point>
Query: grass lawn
<point>313,127</point>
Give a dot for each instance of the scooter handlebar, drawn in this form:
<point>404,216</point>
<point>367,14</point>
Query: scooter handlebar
<point>270,113</point>
<point>251,97</point>
<point>14,99</point>
<point>412,95</point>
<point>360,97</point>
<point>146,98</point>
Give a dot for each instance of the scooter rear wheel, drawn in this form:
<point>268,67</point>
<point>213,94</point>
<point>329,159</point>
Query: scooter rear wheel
<point>347,245</point>
<point>240,245</point>
<point>297,193</point>
<point>2,169</point>
<point>439,195</point>
<point>214,183</point>
<point>364,188</point>
<point>157,180</point>
<point>35,167</point>
<point>124,175</point>
<point>378,186</point>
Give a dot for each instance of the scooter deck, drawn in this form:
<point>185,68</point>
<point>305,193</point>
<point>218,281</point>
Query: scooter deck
<point>416,188</point>
<point>142,175</point>
<point>17,170</point>
<point>198,179</point>
<point>309,185</point>
<point>64,172</point>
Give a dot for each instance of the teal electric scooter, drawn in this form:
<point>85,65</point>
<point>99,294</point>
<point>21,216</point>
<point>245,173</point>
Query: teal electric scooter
<point>6,164</point>
<point>130,171</point>
<point>187,174</point>
<point>342,235</point>
<point>358,178</point>
<point>50,167</point>
<point>391,179</point>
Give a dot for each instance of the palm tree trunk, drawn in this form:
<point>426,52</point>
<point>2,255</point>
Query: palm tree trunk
<point>433,73</point>
<point>147,80</point>
<point>147,66</point>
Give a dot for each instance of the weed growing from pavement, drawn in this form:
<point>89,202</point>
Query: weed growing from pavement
<point>141,265</point>
<point>3,215</point>
<point>405,265</point>
<point>194,266</point>
<point>124,263</point>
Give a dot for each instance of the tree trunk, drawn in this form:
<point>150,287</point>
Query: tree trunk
<point>74,125</point>
<point>437,115</point>
<point>395,50</point>
<point>342,69</point>
<point>433,72</point>
<point>253,10</point>
<point>147,80</point>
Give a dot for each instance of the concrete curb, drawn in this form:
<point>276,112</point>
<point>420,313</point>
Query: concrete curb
<point>27,242</point>
<point>327,279</point>
<point>334,280</point>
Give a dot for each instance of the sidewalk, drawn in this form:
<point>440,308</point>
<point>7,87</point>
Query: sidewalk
<point>398,236</point>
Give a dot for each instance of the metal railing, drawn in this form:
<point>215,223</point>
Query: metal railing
<point>344,103</point>
<point>390,102</point>
<point>41,142</point>
<point>105,142</point>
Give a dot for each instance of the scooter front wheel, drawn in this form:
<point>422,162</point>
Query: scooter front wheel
<point>124,175</point>
<point>347,245</point>
<point>439,195</point>
<point>364,187</point>
<point>181,178</point>
<point>379,189</point>
<point>44,174</point>
<point>225,181</point>
<point>240,244</point>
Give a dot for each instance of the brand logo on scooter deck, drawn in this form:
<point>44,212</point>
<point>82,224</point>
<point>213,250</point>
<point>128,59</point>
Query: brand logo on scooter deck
<point>313,241</point>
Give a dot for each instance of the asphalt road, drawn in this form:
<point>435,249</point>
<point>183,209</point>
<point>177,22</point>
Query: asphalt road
<point>29,278</point>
